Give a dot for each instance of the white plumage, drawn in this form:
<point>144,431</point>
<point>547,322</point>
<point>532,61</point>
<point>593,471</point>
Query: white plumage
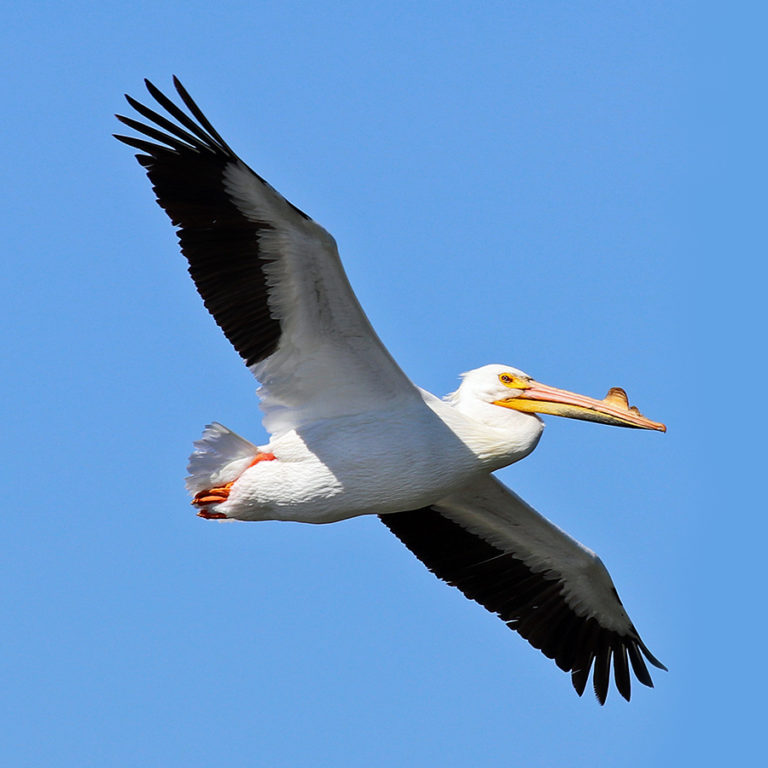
<point>351,435</point>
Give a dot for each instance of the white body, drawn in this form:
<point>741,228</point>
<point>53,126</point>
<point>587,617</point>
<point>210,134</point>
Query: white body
<point>412,457</point>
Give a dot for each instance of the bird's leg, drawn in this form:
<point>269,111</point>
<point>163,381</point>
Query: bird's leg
<point>221,492</point>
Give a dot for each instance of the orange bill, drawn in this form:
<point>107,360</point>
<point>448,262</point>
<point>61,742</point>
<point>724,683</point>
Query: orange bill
<point>613,409</point>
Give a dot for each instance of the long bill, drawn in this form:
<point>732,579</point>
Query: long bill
<point>613,409</point>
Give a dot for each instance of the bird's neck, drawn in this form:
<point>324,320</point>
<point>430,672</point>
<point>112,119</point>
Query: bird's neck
<point>497,436</point>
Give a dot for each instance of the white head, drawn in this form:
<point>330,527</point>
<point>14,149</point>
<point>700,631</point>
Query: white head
<point>488,384</point>
<point>509,399</point>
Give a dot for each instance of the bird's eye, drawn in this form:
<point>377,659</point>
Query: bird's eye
<point>505,378</point>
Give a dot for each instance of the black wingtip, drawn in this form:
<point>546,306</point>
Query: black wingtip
<point>154,91</point>
<point>638,665</point>
<point>579,679</point>
<point>133,102</point>
<point>124,120</point>
<point>650,657</point>
<point>601,677</point>
<point>181,90</point>
<point>621,671</point>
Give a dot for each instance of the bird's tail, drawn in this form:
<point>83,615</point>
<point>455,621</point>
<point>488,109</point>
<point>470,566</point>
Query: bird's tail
<point>220,456</point>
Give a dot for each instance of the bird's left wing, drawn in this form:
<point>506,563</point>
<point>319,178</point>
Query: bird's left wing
<point>270,275</point>
<point>485,540</point>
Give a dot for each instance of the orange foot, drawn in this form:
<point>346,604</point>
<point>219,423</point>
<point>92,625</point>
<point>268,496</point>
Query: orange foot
<point>221,493</point>
<point>211,515</point>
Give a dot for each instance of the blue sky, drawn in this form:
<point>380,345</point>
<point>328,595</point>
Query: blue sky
<point>573,189</point>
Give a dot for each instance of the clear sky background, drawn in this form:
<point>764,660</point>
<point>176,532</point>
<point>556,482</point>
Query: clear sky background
<point>571,188</point>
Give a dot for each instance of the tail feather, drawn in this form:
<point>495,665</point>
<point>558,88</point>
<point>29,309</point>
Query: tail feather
<point>219,457</point>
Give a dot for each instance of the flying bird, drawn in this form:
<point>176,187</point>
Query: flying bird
<point>351,435</point>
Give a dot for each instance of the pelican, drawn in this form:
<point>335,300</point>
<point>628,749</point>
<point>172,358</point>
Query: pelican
<point>351,435</point>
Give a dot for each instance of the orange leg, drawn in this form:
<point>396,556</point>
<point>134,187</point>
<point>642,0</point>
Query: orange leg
<point>221,493</point>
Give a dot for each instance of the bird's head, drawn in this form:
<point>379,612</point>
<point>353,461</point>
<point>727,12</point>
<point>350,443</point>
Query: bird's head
<point>506,387</point>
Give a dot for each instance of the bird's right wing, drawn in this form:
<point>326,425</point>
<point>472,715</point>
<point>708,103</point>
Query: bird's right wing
<point>270,275</point>
<point>486,541</point>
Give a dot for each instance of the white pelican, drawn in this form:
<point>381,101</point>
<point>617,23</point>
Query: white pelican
<point>351,435</point>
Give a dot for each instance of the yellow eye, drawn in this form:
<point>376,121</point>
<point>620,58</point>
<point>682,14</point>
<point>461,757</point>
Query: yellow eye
<point>513,382</point>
